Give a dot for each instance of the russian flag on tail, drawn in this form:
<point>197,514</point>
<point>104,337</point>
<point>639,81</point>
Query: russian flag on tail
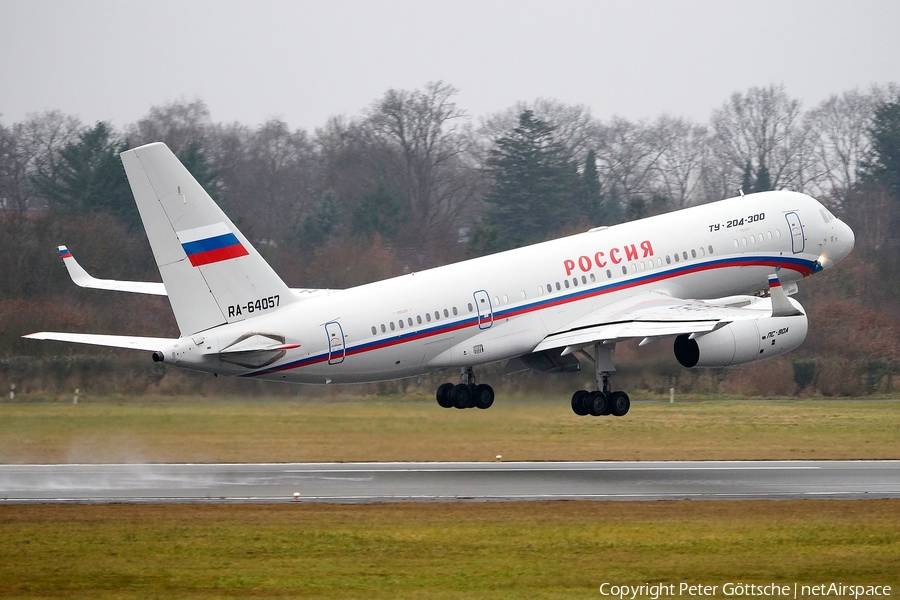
<point>773,281</point>
<point>210,244</point>
<point>64,253</point>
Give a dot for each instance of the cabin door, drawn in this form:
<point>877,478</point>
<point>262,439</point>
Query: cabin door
<point>336,350</point>
<point>484,309</point>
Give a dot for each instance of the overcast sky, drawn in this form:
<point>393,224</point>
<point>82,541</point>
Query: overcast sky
<point>303,61</point>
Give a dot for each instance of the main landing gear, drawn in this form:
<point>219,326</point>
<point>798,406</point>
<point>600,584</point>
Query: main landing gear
<point>603,401</point>
<point>466,394</point>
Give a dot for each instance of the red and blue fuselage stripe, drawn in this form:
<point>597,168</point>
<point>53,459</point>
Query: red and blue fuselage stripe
<point>214,249</point>
<point>804,267</point>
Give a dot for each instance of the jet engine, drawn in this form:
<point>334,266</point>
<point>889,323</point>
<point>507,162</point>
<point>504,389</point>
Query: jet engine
<point>742,342</point>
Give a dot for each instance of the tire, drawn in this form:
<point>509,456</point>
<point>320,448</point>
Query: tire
<point>461,396</point>
<point>619,403</point>
<point>443,395</point>
<point>578,406</point>
<point>484,396</point>
<point>597,403</point>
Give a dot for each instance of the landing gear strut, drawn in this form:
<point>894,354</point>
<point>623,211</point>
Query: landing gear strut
<point>603,401</point>
<point>466,394</point>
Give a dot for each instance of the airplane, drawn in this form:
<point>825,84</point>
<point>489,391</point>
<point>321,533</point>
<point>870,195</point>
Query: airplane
<point>716,278</point>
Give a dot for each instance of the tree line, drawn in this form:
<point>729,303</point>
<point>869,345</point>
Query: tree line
<point>413,181</point>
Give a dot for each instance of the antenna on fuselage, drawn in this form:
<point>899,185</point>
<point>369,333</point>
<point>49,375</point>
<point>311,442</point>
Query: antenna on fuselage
<point>741,190</point>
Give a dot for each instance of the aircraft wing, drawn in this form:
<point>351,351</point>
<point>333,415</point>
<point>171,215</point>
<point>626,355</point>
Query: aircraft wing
<point>114,341</point>
<point>653,315</point>
<point>82,278</point>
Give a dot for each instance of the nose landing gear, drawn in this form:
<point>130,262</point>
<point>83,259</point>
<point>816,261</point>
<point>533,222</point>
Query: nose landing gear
<point>466,394</point>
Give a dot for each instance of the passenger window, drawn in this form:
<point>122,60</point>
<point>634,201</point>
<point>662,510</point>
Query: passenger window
<point>522,292</point>
<point>658,262</point>
<point>374,331</point>
<point>735,243</point>
<point>583,279</point>
<point>778,233</point>
<point>668,260</point>
<point>400,323</point>
<point>470,307</point>
<point>558,286</point>
<point>410,321</point>
<point>419,319</point>
<point>608,274</point>
<point>744,241</point>
<point>769,235</point>
<point>455,311</point>
<point>437,316</point>
<point>446,313</point>
<point>392,326</point>
<point>624,270</point>
<point>383,328</point>
<point>575,282</point>
<point>676,257</point>
<point>505,299</point>
<point>567,283</point>
<point>702,252</point>
<point>541,291</point>
<point>496,301</point>
<point>710,250</point>
<point>752,239</point>
<point>593,279</point>
<point>693,253</point>
<point>684,255</point>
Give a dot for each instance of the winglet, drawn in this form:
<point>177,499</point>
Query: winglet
<point>781,306</point>
<point>82,278</point>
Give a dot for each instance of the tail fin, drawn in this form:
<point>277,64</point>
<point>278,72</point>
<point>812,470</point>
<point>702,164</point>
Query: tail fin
<point>781,306</point>
<point>211,272</point>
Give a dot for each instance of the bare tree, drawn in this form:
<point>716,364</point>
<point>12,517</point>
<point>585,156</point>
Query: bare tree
<point>684,154</point>
<point>178,124</point>
<point>761,128</point>
<point>628,154</point>
<point>415,136</point>
<point>839,128</point>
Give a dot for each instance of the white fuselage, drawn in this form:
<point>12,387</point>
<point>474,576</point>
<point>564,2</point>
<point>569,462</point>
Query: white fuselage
<point>501,306</point>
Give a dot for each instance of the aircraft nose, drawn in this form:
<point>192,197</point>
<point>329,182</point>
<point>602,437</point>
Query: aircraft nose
<point>842,242</point>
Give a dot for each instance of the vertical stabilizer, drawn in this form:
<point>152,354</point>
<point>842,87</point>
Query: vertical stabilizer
<point>781,305</point>
<point>211,272</point>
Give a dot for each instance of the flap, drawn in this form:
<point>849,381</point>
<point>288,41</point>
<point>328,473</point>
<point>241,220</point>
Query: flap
<point>654,315</point>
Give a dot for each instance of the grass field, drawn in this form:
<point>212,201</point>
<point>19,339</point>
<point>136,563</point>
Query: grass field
<point>267,430</point>
<point>504,550</point>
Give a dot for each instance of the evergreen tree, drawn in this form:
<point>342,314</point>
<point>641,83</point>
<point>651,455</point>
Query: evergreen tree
<point>319,224</point>
<point>747,181</point>
<point>379,213</point>
<point>195,161</point>
<point>883,163</point>
<point>591,200</point>
<point>763,182</point>
<point>91,177</point>
<point>535,185</point>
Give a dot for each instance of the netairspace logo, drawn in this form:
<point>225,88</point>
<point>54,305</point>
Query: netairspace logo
<point>655,591</point>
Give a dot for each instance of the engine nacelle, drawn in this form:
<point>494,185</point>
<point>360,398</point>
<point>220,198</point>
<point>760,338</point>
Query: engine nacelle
<point>742,342</point>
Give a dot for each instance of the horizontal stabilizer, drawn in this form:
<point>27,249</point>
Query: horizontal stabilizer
<point>81,278</point>
<point>151,344</point>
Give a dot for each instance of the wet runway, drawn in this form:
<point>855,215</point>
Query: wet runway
<point>424,482</point>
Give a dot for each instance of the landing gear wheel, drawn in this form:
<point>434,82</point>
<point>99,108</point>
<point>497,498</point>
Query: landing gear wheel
<point>619,403</point>
<point>484,396</point>
<point>461,396</point>
<point>597,404</point>
<point>443,395</point>
<point>578,406</point>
